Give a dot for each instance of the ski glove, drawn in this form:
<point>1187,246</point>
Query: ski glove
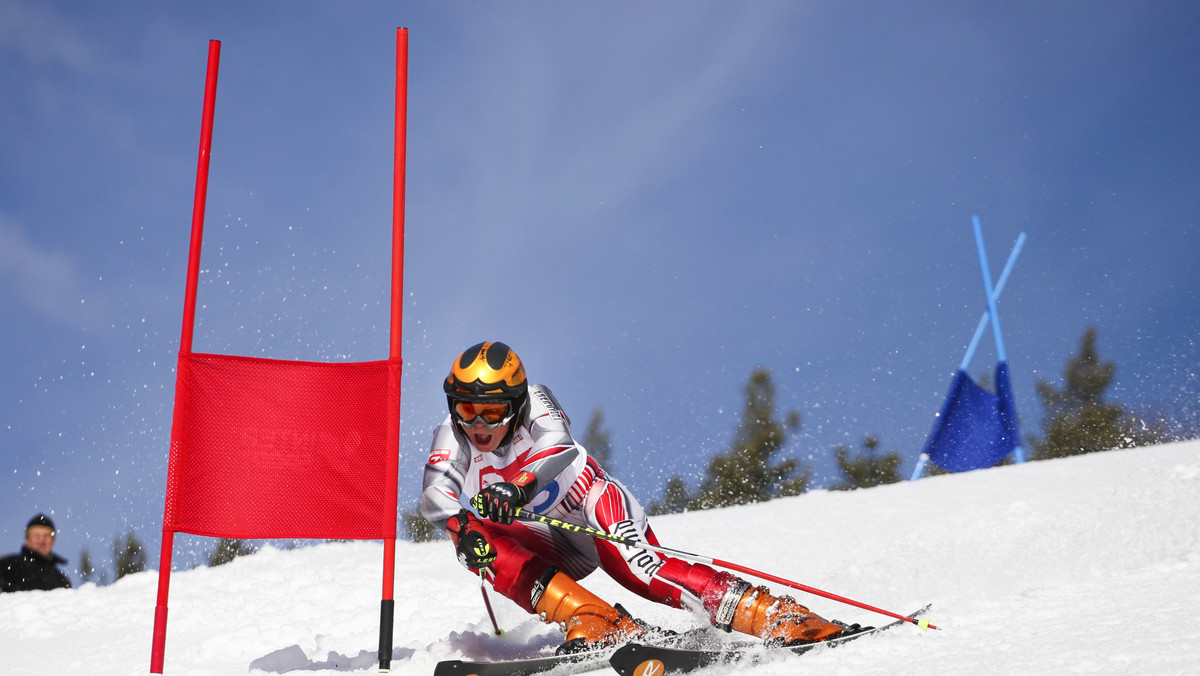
<point>470,541</point>
<point>499,502</point>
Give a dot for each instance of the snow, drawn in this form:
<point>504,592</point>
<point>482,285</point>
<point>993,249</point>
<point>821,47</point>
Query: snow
<point>1083,565</point>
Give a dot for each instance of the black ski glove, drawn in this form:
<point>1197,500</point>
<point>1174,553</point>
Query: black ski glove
<point>470,541</point>
<point>499,502</point>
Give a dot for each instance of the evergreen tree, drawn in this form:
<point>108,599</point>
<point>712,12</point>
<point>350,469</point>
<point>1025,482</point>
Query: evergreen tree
<point>675,498</point>
<point>597,440</point>
<point>746,474</point>
<point>869,469</point>
<point>418,527</point>
<point>228,549</point>
<point>129,555</point>
<point>1077,419</point>
<point>87,569</point>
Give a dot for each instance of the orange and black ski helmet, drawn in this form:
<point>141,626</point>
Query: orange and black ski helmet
<point>489,371</point>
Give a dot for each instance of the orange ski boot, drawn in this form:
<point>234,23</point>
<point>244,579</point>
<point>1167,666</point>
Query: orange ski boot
<point>780,620</point>
<point>590,623</point>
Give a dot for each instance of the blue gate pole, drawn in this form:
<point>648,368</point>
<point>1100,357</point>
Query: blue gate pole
<point>1018,451</point>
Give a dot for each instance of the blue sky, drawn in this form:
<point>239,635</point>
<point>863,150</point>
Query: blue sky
<point>646,200</point>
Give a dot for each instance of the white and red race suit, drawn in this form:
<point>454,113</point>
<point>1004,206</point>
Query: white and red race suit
<point>581,493</point>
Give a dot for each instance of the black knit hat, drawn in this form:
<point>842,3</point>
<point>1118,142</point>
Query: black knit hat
<point>41,520</point>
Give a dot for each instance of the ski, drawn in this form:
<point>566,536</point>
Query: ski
<point>551,665</point>
<point>639,659</point>
<point>555,665</point>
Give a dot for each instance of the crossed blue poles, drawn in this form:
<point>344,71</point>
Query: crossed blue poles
<point>992,294</point>
<point>989,313</point>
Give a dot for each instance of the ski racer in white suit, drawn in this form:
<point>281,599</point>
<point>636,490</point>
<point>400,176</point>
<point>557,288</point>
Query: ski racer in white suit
<point>509,442</point>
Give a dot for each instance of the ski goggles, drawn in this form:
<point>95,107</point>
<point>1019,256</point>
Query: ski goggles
<point>492,413</point>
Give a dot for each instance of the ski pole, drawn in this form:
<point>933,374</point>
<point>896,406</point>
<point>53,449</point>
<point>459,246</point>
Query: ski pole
<point>487,602</point>
<point>586,530</point>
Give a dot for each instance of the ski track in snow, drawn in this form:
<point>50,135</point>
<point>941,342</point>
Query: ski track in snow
<point>1088,565</point>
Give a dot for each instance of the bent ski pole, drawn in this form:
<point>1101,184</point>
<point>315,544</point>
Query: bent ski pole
<point>576,528</point>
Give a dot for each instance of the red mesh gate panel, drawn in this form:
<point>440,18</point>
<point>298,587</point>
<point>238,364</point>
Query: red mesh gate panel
<point>264,448</point>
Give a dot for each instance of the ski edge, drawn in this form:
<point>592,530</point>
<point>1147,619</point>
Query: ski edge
<point>544,666</point>
<point>636,659</point>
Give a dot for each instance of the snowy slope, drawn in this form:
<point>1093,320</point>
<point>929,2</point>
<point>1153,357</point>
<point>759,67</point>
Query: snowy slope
<point>1085,565</point>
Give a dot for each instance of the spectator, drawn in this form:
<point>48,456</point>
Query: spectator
<point>36,567</point>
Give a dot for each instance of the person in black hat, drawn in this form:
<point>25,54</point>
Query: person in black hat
<point>36,567</point>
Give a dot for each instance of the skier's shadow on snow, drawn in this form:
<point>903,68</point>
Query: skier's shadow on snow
<point>293,658</point>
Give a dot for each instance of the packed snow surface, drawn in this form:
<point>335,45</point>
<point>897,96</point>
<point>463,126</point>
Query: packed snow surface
<point>1084,565</point>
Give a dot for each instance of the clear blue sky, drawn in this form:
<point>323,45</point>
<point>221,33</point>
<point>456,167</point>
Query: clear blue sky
<point>646,200</point>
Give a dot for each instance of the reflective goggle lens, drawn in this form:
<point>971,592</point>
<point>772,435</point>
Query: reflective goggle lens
<point>492,414</point>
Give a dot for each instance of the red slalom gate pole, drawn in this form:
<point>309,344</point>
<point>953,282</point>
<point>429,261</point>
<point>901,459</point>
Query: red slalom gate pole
<point>159,638</point>
<point>387,604</point>
<point>586,530</point>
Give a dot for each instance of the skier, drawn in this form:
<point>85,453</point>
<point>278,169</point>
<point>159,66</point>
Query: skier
<point>510,443</point>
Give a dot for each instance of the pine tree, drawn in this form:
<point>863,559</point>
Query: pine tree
<point>1077,418</point>
<point>418,527</point>
<point>675,498</point>
<point>597,440</point>
<point>869,469</point>
<point>746,474</point>
<point>228,549</point>
<point>129,555</point>
<point>87,569</point>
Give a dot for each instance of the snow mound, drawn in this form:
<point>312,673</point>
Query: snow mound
<point>1041,568</point>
